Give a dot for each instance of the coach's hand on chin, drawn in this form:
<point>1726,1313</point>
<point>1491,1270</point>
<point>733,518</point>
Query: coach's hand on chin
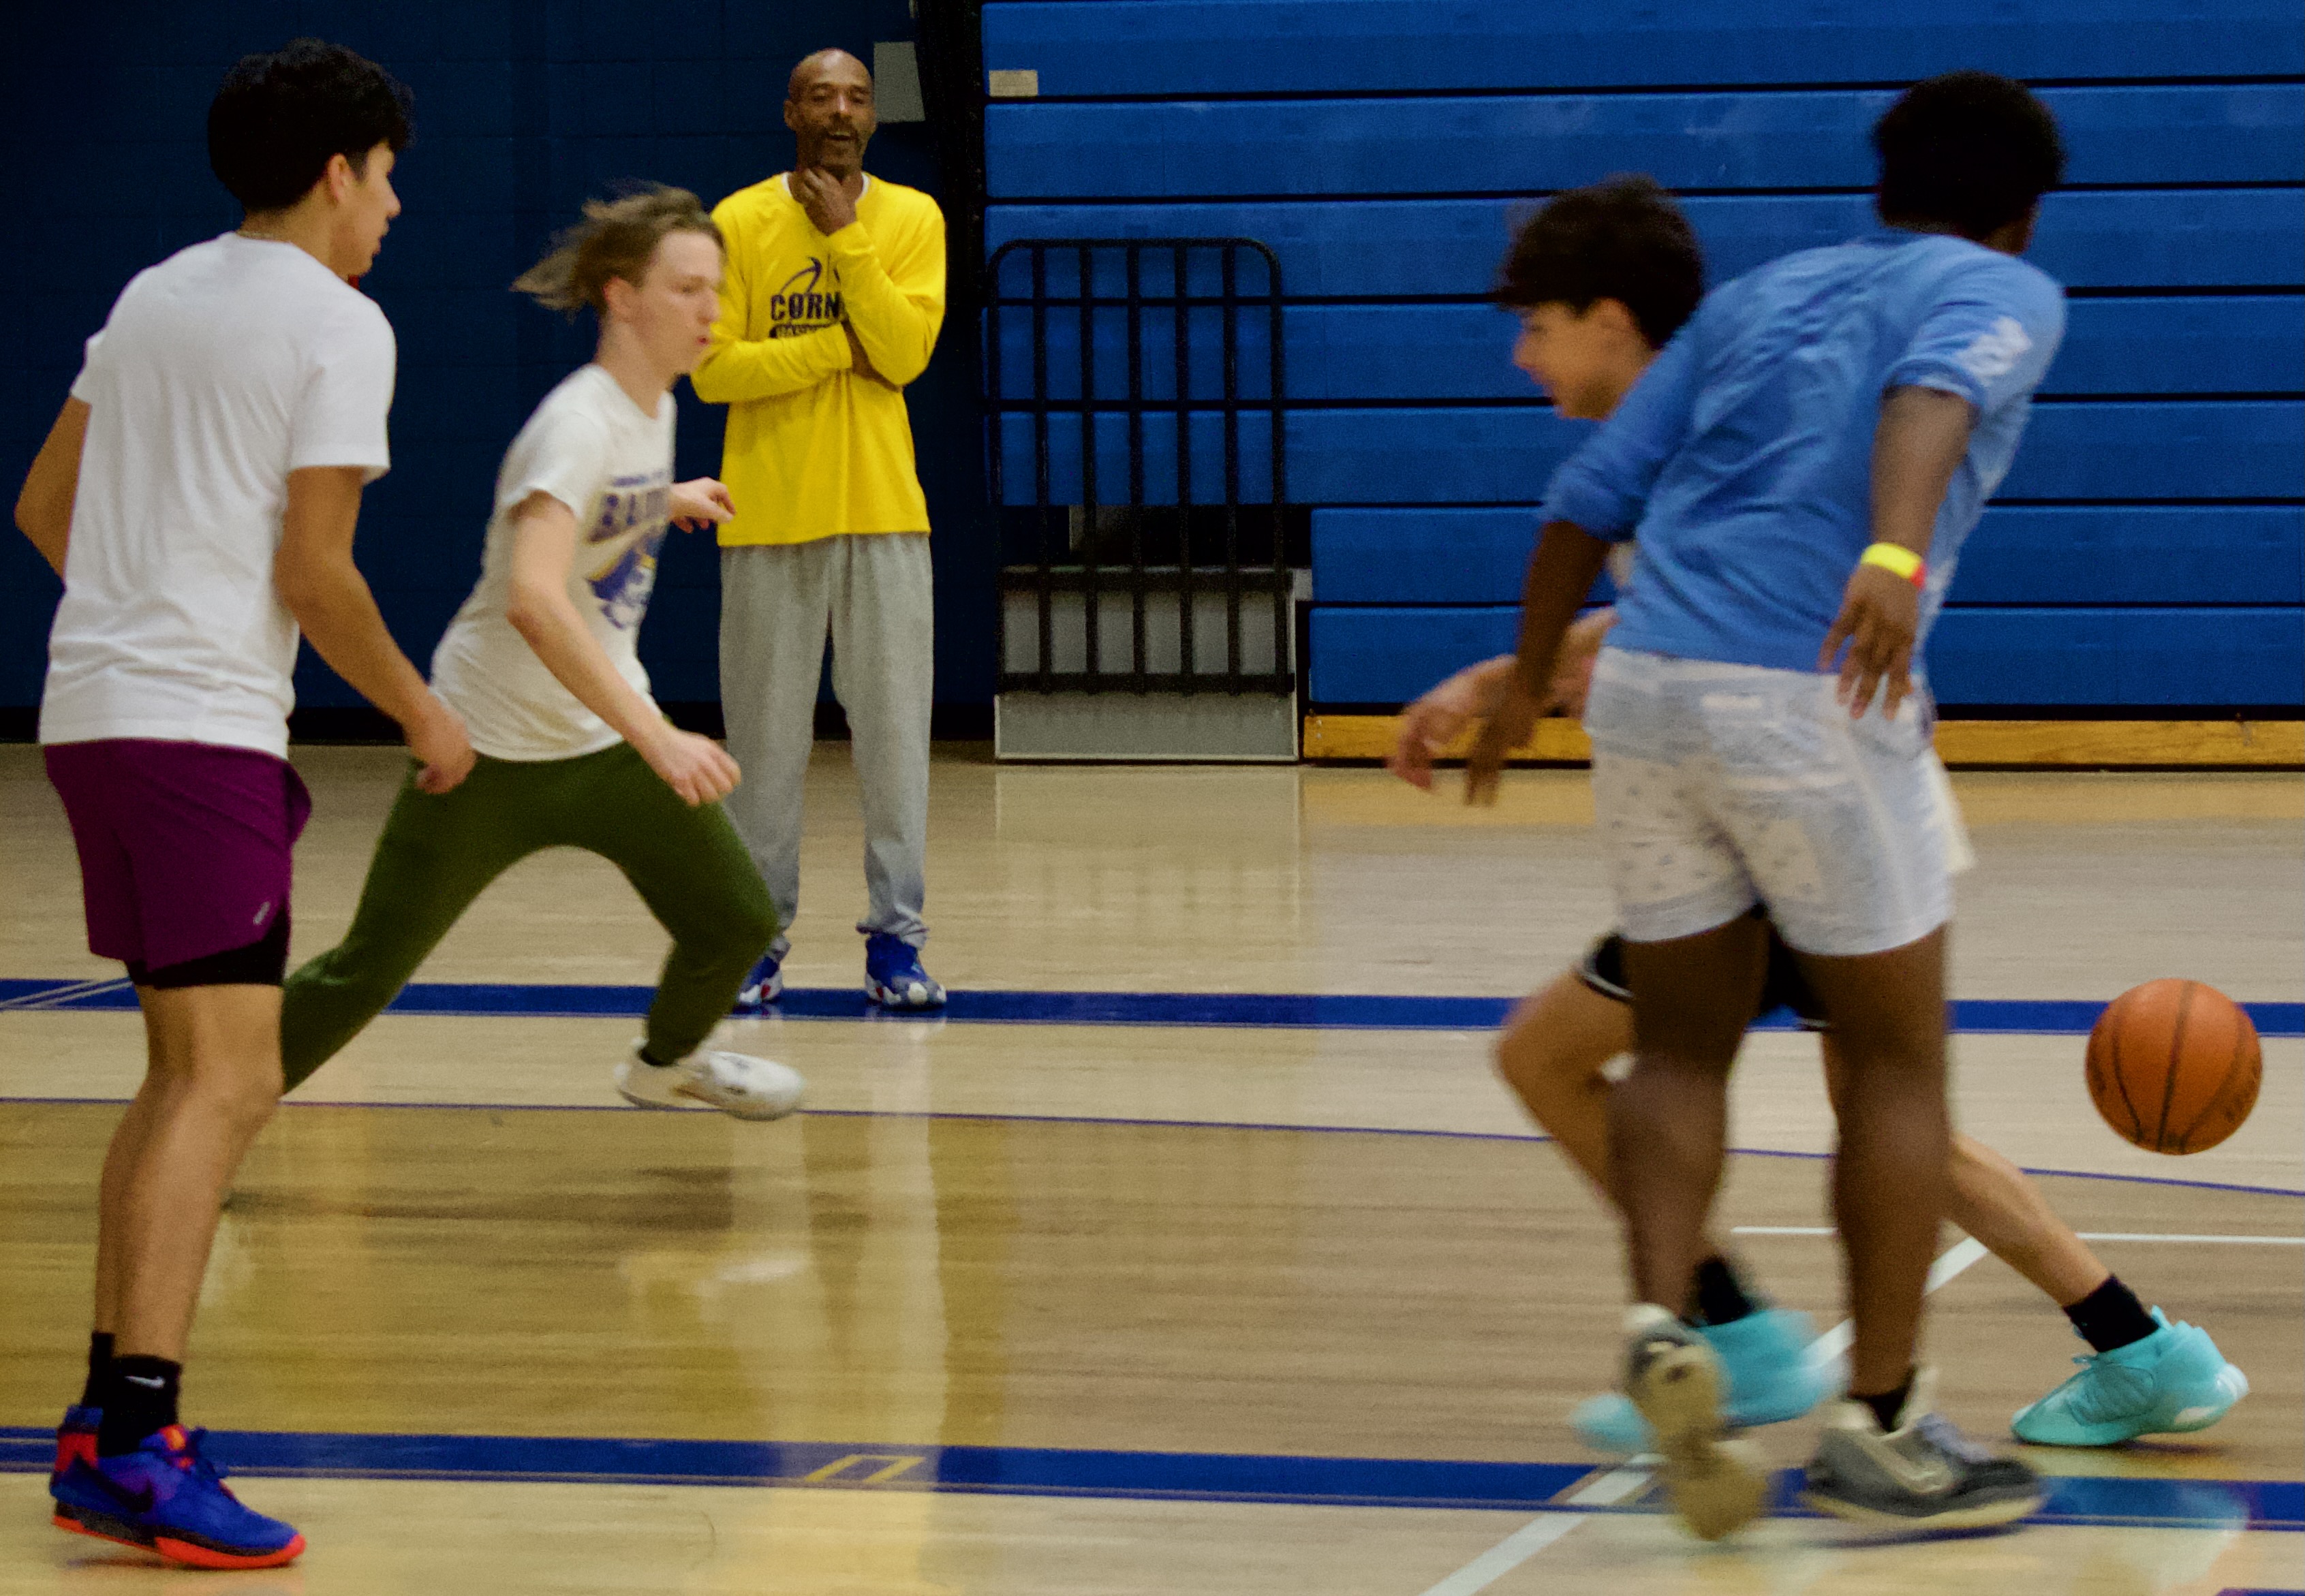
<point>825,198</point>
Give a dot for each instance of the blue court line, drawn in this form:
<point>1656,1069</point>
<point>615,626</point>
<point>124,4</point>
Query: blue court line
<point>1125,1123</point>
<point>1041,1470</point>
<point>1336,1011</point>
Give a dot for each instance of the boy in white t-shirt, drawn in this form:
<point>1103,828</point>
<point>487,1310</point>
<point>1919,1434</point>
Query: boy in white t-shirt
<point>541,662</point>
<point>198,495</point>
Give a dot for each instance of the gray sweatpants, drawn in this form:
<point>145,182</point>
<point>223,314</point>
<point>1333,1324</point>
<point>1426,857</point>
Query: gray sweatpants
<point>870,592</point>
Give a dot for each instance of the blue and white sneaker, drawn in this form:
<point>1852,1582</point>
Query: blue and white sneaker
<point>2174,1381</point>
<point>166,1497</point>
<point>893,976</point>
<point>1766,1368</point>
<point>764,985</point>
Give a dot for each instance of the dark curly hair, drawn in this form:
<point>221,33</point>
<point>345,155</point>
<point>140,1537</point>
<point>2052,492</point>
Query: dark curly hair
<point>280,115</point>
<point>1970,150</point>
<point>1623,240</point>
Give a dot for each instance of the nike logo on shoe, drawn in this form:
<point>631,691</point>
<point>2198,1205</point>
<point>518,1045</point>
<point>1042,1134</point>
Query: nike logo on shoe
<point>149,1381</point>
<point>130,1501</point>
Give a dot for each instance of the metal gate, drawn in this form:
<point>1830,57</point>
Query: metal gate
<point>1135,391</point>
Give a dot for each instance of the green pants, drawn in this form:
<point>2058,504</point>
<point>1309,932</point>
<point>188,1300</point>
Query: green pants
<point>439,852</point>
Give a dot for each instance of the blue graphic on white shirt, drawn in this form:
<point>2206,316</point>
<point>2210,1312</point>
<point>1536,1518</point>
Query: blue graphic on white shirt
<point>629,530</point>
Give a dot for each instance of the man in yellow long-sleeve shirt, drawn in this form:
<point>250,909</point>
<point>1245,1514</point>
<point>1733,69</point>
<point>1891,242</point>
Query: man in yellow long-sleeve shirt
<point>831,304</point>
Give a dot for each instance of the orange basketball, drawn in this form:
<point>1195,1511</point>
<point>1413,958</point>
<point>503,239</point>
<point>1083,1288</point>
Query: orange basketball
<point>2173,1065</point>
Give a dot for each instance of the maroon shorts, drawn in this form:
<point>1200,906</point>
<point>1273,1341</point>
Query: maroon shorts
<point>184,847</point>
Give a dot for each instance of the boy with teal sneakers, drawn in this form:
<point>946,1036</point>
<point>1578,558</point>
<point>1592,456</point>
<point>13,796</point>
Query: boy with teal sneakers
<point>1603,277</point>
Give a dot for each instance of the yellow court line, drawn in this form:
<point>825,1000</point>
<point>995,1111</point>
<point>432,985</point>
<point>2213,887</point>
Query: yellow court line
<point>892,1466</point>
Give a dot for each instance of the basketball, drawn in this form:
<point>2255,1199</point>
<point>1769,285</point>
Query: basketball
<point>2173,1065</point>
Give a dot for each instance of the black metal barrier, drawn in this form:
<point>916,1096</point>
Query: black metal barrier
<point>1156,340</point>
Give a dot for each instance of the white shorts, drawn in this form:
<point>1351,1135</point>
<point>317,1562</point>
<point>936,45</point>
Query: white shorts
<point>1721,786</point>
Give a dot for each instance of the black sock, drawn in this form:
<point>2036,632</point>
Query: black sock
<point>2111,1316</point>
<point>1719,1296</point>
<point>653,1062</point>
<point>139,1396</point>
<point>99,1359</point>
<point>1887,1406</point>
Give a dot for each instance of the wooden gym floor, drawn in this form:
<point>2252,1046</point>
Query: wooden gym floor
<point>1075,1297</point>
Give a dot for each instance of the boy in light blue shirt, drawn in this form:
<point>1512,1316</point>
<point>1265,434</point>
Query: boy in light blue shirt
<point>1797,472</point>
<point>1740,466</point>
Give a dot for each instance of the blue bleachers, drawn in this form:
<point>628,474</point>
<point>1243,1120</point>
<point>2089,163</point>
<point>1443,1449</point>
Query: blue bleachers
<point>1376,354</point>
<point>2074,656</point>
<point>2020,553</point>
<point>2149,548</point>
<point>1808,139</point>
<point>1457,454</point>
<point>1182,48</point>
<point>1417,249</point>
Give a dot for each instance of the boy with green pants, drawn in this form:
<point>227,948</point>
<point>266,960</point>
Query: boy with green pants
<point>541,663</point>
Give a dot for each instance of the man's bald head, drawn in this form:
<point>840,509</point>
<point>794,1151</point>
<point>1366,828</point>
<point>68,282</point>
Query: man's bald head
<point>839,63</point>
<point>829,106</point>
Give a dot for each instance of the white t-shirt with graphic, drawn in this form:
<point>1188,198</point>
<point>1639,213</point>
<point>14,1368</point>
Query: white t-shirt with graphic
<point>591,448</point>
<point>220,371</point>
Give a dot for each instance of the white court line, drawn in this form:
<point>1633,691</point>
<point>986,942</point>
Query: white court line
<point>2087,1235</point>
<point>1507,1555</point>
<point>1619,1484</point>
<point>1629,1477</point>
<point>2206,1241</point>
<point>1834,1343</point>
<point>56,997</point>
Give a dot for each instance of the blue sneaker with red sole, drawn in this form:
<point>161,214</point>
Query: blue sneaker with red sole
<point>166,1497</point>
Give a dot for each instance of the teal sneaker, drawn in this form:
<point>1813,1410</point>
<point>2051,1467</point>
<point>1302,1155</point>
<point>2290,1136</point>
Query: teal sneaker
<point>1770,1378</point>
<point>2174,1381</point>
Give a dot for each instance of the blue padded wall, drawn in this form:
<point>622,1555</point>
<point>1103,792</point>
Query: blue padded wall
<point>524,109</point>
<point>2149,548</point>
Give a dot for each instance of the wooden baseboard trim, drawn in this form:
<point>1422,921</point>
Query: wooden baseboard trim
<point>2044,744</point>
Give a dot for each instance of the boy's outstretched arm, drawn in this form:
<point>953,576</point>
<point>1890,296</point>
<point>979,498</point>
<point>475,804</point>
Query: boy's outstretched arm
<point>1920,440</point>
<point>1561,572</point>
<point>543,554</point>
<point>322,587</point>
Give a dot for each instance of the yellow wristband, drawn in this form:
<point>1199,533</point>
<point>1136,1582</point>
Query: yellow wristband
<point>1895,558</point>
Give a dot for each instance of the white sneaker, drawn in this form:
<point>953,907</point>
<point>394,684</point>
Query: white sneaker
<point>734,1083</point>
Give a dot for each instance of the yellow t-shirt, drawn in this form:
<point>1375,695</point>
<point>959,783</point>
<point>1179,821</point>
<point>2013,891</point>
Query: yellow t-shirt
<point>813,450</point>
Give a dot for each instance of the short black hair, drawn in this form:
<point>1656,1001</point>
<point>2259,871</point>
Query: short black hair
<point>1970,150</point>
<point>281,115</point>
<point>1623,240</point>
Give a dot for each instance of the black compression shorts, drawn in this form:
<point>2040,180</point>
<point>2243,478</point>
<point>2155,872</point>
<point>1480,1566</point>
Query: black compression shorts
<point>1602,969</point>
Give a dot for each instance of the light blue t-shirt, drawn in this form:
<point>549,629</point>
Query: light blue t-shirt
<point>1740,464</point>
